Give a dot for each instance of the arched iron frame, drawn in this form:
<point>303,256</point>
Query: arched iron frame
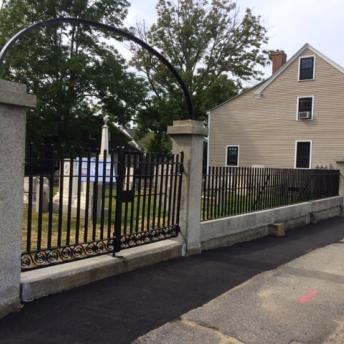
<point>127,35</point>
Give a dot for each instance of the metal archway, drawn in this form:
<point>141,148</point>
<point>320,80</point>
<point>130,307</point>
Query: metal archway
<point>105,27</point>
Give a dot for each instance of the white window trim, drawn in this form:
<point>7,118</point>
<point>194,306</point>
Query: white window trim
<point>208,143</point>
<point>297,107</point>
<point>238,162</point>
<point>298,70</point>
<point>310,154</point>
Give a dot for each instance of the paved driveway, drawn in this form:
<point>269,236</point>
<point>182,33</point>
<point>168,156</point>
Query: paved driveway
<point>122,308</point>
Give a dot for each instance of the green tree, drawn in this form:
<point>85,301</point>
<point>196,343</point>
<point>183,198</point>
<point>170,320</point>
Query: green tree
<point>213,48</point>
<point>75,71</point>
<point>157,143</point>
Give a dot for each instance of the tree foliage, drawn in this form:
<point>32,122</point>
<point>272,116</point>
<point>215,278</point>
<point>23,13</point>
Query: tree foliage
<point>213,47</point>
<point>75,71</point>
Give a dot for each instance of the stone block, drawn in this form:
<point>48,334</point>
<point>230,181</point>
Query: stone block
<point>13,101</point>
<point>244,227</point>
<point>277,230</point>
<point>42,282</point>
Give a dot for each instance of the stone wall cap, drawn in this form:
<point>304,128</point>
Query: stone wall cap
<point>187,127</point>
<point>12,93</point>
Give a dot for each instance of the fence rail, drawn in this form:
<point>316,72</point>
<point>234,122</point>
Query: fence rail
<point>228,191</point>
<point>79,203</point>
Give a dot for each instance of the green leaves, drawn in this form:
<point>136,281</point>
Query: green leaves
<point>74,70</point>
<point>213,47</point>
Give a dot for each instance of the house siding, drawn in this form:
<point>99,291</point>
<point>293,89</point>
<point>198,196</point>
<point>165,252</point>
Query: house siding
<point>266,129</point>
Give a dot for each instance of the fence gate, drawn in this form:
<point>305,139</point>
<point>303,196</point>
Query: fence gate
<point>81,203</point>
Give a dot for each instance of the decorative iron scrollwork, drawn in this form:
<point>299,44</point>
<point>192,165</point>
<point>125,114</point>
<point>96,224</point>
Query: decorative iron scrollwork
<point>65,254</point>
<point>142,238</point>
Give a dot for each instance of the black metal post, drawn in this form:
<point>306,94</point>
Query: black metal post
<point>119,201</point>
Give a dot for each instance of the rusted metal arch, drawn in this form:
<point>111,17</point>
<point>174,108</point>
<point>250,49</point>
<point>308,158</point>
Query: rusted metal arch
<point>127,35</point>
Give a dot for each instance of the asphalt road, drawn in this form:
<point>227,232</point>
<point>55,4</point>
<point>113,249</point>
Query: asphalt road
<point>297,303</point>
<point>122,308</point>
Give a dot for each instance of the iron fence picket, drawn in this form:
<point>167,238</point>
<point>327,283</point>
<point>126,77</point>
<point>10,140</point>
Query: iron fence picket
<point>30,201</point>
<point>168,163</point>
<point>95,199</point>
<point>111,186</point>
<point>228,191</point>
<point>180,171</point>
<point>170,194</point>
<point>119,201</point>
<point>236,191</point>
<point>175,177</point>
<point>61,163</point>
<point>51,191</point>
<point>207,194</point>
<point>110,192</point>
<point>144,195</point>
<point>78,204</point>
<point>87,199</point>
<point>40,198</point>
<point>150,176</point>
<point>161,181</point>
<point>69,205</point>
<point>155,196</point>
<point>227,194</point>
<point>102,214</point>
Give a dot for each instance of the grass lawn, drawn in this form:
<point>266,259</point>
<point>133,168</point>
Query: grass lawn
<point>234,204</point>
<point>135,218</point>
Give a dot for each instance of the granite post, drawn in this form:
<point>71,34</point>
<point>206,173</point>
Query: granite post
<point>13,104</point>
<point>188,136</point>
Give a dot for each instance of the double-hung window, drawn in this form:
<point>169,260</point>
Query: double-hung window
<point>306,68</point>
<point>232,155</point>
<point>305,107</point>
<point>303,153</point>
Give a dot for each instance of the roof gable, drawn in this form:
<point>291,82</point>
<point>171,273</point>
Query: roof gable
<point>250,89</point>
<point>261,89</point>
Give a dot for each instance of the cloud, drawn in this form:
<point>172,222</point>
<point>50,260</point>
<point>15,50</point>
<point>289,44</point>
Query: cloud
<point>141,10</point>
<point>290,23</point>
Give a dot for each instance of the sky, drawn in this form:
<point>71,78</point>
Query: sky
<point>290,23</point>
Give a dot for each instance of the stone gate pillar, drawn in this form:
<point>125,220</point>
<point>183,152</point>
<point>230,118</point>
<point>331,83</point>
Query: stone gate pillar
<point>188,136</point>
<point>13,103</point>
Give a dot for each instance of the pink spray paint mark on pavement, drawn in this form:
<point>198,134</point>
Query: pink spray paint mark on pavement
<point>309,296</point>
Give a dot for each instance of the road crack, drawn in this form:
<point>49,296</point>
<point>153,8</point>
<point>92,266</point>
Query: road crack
<point>224,339</point>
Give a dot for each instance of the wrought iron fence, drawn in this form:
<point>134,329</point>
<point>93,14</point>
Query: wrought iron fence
<point>228,191</point>
<point>80,203</point>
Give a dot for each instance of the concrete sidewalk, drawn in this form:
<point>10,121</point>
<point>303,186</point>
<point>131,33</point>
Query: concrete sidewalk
<point>299,302</point>
<point>122,308</point>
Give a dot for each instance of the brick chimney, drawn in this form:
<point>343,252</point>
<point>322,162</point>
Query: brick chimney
<point>279,58</point>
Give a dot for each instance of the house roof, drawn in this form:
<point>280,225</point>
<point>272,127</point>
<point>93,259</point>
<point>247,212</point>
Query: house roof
<point>261,86</point>
<point>260,90</point>
<point>240,94</point>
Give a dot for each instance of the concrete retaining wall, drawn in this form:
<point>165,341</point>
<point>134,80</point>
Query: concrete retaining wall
<point>231,230</point>
<point>55,279</point>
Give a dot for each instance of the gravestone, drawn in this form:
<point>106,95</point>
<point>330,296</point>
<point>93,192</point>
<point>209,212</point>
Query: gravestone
<point>73,199</point>
<point>92,197</point>
<point>35,193</point>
